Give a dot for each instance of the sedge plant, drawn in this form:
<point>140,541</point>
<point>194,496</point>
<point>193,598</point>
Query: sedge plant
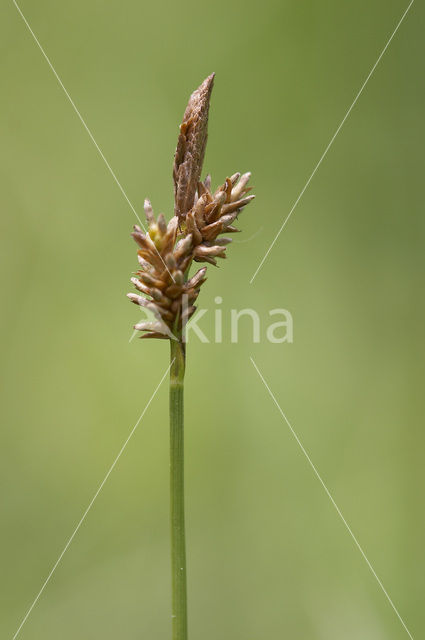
<point>166,253</point>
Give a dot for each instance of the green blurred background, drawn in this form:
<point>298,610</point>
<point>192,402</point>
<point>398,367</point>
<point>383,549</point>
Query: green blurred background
<point>268,556</point>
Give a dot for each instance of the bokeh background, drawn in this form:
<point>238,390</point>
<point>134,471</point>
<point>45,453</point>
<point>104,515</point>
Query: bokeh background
<point>268,556</point>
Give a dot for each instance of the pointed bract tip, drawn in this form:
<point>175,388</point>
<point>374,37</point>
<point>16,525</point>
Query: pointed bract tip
<point>210,79</point>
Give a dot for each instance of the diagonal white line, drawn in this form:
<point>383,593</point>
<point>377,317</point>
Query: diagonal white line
<point>331,498</point>
<point>99,489</point>
<point>77,112</point>
<point>85,125</point>
<point>330,143</point>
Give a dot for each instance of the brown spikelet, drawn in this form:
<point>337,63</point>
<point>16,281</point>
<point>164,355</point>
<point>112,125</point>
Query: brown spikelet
<point>190,151</point>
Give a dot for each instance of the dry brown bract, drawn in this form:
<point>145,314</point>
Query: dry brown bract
<point>167,251</point>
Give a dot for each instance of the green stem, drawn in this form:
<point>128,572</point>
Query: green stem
<point>178,547</point>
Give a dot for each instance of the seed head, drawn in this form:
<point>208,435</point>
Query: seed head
<point>194,233</point>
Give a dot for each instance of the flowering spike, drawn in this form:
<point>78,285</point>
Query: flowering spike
<point>194,233</point>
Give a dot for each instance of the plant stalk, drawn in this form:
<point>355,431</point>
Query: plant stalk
<point>178,545</point>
